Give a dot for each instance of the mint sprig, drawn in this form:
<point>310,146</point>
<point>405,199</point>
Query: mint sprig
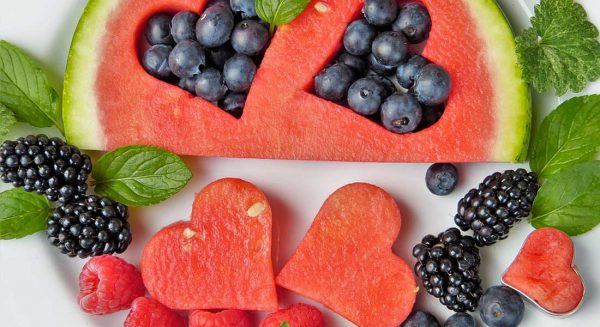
<point>22,213</point>
<point>279,12</point>
<point>140,175</point>
<point>7,120</point>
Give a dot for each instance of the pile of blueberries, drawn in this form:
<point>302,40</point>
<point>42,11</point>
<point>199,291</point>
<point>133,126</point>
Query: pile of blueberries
<point>377,51</point>
<point>213,55</point>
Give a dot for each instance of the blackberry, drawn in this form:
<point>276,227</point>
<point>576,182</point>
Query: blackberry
<point>90,227</point>
<point>448,267</point>
<point>502,200</point>
<point>45,165</point>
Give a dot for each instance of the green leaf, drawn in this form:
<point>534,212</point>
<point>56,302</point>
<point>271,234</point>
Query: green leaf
<point>284,324</point>
<point>140,175</point>
<point>569,200</point>
<point>568,136</point>
<point>561,49</point>
<point>22,213</point>
<point>279,12</point>
<point>24,89</point>
<point>7,120</point>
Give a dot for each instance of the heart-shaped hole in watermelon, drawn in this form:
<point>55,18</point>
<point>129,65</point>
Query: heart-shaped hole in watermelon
<point>379,72</point>
<point>213,54</point>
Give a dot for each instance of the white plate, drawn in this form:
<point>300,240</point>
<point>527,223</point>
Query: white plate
<point>38,286</point>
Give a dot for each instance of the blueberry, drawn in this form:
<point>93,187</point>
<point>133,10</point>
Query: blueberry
<point>186,59</point>
<point>224,3</point>
<point>233,103</point>
<point>431,115</point>
<point>249,37</point>
<point>401,113</point>
<point>414,22</point>
<point>420,319</point>
<point>441,178</point>
<point>333,82</point>
<point>210,85</point>
<point>247,8</point>
<point>406,72</point>
<point>380,12</point>
<point>501,306</point>
<point>358,37</point>
<point>357,64</point>
<point>432,85</point>
<point>218,56</point>
<point>460,319</point>
<point>238,73</point>
<point>378,67</point>
<point>365,96</point>
<point>188,83</point>
<point>183,26</point>
<point>390,48</point>
<point>214,26</point>
<point>158,29</point>
<point>156,60</point>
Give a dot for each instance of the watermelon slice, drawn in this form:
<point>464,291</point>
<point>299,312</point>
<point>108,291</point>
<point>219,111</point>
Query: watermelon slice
<point>345,260</point>
<point>110,101</point>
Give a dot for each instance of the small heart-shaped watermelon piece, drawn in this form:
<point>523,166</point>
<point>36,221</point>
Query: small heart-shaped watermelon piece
<point>544,272</point>
<point>221,259</point>
<point>345,261</point>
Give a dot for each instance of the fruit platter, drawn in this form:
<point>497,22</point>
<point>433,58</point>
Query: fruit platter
<point>299,163</point>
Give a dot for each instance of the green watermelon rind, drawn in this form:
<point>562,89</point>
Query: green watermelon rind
<point>80,107</point>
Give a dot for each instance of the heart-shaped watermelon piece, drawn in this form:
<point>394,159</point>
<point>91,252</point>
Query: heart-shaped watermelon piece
<point>221,259</point>
<point>544,272</point>
<point>345,261</point>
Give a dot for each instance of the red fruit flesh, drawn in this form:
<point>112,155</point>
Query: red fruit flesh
<point>297,315</point>
<point>147,312</point>
<point>544,271</point>
<point>226,318</point>
<point>108,284</point>
<point>221,259</point>
<point>345,260</point>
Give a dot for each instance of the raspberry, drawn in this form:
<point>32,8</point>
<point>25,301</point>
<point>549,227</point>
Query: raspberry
<point>108,284</point>
<point>226,318</point>
<point>296,315</point>
<point>147,312</point>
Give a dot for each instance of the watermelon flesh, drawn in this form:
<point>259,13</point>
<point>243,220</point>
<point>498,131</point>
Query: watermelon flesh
<point>110,101</point>
<point>345,260</point>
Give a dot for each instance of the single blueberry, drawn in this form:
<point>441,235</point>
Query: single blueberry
<point>156,61</point>
<point>420,319</point>
<point>441,178</point>
<point>365,96</point>
<point>406,72</point>
<point>378,67</point>
<point>401,113</point>
<point>183,26</point>
<point>380,12</point>
<point>233,103</point>
<point>218,56</point>
<point>356,63</point>
<point>249,37</point>
<point>501,306</point>
<point>432,86</point>
<point>210,85</point>
<point>333,82</point>
<point>214,26</point>
<point>246,8</point>
<point>186,59</point>
<point>414,22</point>
<point>238,73</point>
<point>460,319</point>
<point>390,48</point>
<point>358,37</point>
<point>158,29</point>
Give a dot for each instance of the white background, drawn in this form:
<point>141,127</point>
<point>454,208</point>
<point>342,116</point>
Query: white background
<point>38,286</point>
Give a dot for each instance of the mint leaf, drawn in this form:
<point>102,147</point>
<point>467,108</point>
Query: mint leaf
<point>7,120</point>
<point>279,12</point>
<point>25,90</point>
<point>569,200</point>
<point>22,213</point>
<point>284,324</point>
<point>561,49</point>
<point>140,175</point>
<point>569,135</point>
